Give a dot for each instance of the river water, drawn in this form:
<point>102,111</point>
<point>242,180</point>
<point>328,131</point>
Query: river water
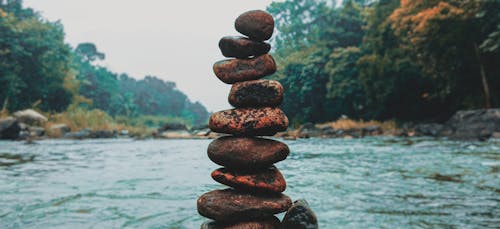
<point>360,183</point>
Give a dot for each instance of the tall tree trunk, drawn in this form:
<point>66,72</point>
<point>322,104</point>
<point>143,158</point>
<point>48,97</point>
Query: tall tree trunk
<point>5,103</point>
<point>486,87</point>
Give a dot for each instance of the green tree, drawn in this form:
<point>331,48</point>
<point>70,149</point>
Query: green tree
<point>313,37</point>
<point>34,60</point>
<point>88,52</point>
<point>445,37</point>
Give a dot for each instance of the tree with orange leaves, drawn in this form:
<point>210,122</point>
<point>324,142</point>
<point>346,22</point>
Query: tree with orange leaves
<point>445,37</point>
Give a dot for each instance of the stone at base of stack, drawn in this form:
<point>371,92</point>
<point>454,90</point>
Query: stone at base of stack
<point>256,185</point>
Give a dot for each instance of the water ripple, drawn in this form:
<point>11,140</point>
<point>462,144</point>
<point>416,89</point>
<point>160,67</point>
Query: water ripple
<point>357,183</point>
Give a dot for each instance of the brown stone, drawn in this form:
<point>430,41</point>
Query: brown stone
<point>256,93</point>
<point>271,223</point>
<point>249,121</point>
<point>264,180</point>
<point>232,206</point>
<point>238,70</point>
<point>300,216</point>
<point>246,153</point>
<point>242,47</point>
<point>256,24</point>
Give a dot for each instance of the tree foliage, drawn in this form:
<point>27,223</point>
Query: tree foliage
<point>125,96</point>
<point>38,69</point>
<point>387,59</point>
<point>34,60</point>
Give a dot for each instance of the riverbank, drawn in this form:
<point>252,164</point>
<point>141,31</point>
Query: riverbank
<point>32,125</point>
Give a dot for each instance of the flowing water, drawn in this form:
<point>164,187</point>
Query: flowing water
<point>362,183</point>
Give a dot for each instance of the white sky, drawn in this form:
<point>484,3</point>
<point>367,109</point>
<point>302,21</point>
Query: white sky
<point>173,40</point>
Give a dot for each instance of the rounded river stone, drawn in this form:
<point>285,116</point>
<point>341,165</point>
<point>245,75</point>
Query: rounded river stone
<point>232,206</point>
<point>247,153</point>
<point>238,70</point>
<point>256,24</point>
<point>264,180</point>
<point>242,47</point>
<point>249,121</point>
<point>256,93</point>
<point>300,216</point>
<point>271,223</point>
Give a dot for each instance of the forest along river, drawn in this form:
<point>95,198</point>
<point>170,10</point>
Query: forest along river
<point>360,183</point>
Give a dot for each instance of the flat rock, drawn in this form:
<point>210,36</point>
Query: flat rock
<point>231,206</point>
<point>242,47</point>
<point>474,124</point>
<point>256,93</point>
<point>263,180</point>
<point>256,24</point>
<point>30,117</point>
<point>246,153</point>
<point>300,216</point>
<point>271,223</point>
<point>238,70</point>
<point>249,121</point>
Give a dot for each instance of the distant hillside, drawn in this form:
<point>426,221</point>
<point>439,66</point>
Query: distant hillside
<point>37,69</point>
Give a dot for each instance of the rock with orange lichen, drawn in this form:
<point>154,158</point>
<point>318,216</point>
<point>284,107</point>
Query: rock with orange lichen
<point>246,153</point>
<point>271,223</point>
<point>256,93</point>
<point>232,206</point>
<point>265,180</point>
<point>238,70</point>
<point>256,24</point>
<point>242,47</point>
<point>249,121</point>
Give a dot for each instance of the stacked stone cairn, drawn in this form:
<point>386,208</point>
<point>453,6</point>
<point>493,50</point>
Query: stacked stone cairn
<point>256,185</point>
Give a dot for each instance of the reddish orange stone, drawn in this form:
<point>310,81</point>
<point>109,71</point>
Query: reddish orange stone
<point>249,121</point>
<point>246,153</point>
<point>256,24</point>
<point>238,70</point>
<point>242,47</point>
<point>232,206</point>
<point>266,180</point>
<point>256,93</point>
<point>271,223</point>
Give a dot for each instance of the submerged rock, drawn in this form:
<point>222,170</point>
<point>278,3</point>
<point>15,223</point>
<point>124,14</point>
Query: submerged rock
<point>246,153</point>
<point>271,223</point>
<point>249,121</point>
<point>231,206</point>
<point>300,216</point>
<point>256,24</point>
<point>7,159</point>
<point>457,178</point>
<point>242,48</point>
<point>256,93</point>
<point>238,70</point>
<point>264,180</point>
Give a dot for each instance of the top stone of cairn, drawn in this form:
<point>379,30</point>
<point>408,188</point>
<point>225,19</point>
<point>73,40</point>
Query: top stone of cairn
<point>258,25</point>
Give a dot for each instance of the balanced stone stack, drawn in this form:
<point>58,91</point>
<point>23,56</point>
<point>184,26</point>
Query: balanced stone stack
<point>256,185</point>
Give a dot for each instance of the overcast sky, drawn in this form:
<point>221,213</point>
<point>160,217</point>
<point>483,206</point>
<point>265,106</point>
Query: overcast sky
<point>174,41</point>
